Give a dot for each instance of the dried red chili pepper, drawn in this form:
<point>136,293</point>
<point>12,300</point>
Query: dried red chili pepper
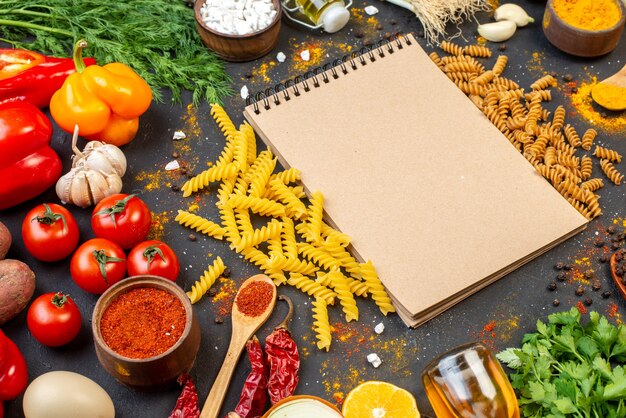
<point>254,393</point>
<point>187,403</point>
<point>283,359</point>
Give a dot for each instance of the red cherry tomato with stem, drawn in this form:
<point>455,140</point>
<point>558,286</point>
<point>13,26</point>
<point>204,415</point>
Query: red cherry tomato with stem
<point>54,319</point>
<point>50,232</point>
<point>123,219</point>
<point>13,370</point>
<point>153,257</point>
<point>97,265</point>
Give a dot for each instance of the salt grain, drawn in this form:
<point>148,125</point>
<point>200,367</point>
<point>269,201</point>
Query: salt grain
<point>281,57</point>
<point>305,55</point>
<point>371,10</point>
<point>244,92</point>
<point>179,135</point>
<point>238,17</point>
<point>374,360</point>
<point>378,329</point>
<point>172,165</point>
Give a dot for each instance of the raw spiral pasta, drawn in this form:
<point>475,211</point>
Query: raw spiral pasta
<point>288,238</point>
<point>215,173</point>
<point>223,120</point>
<point>544,82</point>
<point>586,167</point>
<point>317,255</point>
<point>572,136</point>
<point>339,283</point>
<point>477,51</point>
<point>588,138</point>
<point>294,206</point>
<point>461,67</point>
<point>451,48</point>
<point>262,175</point>
<point>210,275</point>
<point>272,229</point>
<point>292,265</point>
<point>500,65</point>
<point>592,184</point>
<point>200,224</point>
<point>258,205</point>
<point>558,118</point>
<point>290,175</point>
<point>368,272</point>
<point>611,172</point>
<point>321,326</point>
<point>607,154</point>
<point>312,288</point>
<point>435,58</point>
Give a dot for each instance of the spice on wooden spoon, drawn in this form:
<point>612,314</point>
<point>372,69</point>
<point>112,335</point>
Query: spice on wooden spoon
<point>618,266</point>
<point>254,303</point>
<point>611,93</point>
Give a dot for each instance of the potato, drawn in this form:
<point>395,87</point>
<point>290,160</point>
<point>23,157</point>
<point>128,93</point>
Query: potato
<point>17,284</point>
<point>5,240</point>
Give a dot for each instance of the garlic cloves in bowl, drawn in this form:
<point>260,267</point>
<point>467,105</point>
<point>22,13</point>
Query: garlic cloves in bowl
<point>96,173</point>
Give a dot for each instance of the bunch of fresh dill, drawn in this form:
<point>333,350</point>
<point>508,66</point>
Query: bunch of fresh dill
<point>157,38</point>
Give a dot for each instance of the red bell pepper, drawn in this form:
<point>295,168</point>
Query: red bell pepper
<point>32,77</point>
<point>28,166</point>
<point>13,370</point>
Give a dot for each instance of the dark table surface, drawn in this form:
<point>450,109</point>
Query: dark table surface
<point>498,315</point>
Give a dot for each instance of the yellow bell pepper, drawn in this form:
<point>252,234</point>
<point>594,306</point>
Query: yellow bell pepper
<point>105,102</point>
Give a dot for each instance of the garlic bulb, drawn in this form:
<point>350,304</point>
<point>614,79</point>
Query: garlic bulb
<point>514,13</point>
<point>497,31</point>
<point>104,157</point>
<point>95,174</point>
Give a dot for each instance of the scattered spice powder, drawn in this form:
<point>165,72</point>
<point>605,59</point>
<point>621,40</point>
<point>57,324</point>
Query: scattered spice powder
<point>581,307</point>
<point>143,322</point>
<point>157,228</point>
<point>253,299</point>
<point>223,300</point>
<point>613,122</point>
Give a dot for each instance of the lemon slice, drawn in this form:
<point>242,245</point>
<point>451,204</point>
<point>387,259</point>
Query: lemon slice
<point>379,400</point>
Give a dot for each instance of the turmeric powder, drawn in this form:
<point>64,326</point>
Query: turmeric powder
<point>609,96</point>
<point>589,14</point>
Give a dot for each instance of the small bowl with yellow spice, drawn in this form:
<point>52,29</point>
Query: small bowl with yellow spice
<point>585,28</point>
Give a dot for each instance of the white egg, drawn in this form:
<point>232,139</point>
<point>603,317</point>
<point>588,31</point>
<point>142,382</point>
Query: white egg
<point>62,394</point>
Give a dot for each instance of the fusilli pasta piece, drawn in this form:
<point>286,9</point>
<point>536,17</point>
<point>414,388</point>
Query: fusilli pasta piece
<point>586,167</point>
<point>500,64</point>
<point>544,82</point>
<point>317,255</point>
<point>294,206</point>
<point>592,184</point>
<point>200,224</point>
<point>215,173</point>
<point>339,283</point>
<point>258,205</point>
<point>611,172</point>
<point>204,283</point>
<point>451,48</point>
<point>607,154</point>
<point>376,288</point>
<point>311,288</point>
<point>321,326</point>
<point>292,265</point>
<point>223,120</point>
<point>477,51</point>
<point>588,138</point>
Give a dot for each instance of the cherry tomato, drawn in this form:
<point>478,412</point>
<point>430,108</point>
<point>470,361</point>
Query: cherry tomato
<point>54,319</point>
<point>153,257</point>
<point>123,219</point>
<point>97,265</point>
<point>50,232</point>
<point>13,372</point>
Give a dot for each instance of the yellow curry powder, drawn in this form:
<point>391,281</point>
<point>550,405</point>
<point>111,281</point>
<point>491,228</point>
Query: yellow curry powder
<point>588,14</point>
<point>610,96</point>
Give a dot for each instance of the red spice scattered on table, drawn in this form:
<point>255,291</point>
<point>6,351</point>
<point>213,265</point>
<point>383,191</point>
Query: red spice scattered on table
<point>490,326</point>
<point>581,308</point>
<point>143,322</point>
<point>253,299</point>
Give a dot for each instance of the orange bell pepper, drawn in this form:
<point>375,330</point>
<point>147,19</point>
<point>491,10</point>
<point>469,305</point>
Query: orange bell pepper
<point>105,102</point>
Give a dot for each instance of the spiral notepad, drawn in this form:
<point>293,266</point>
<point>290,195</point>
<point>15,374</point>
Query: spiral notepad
<point>426,186</point>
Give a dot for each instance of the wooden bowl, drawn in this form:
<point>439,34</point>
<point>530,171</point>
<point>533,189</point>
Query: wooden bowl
<point>580,42</point>
<point>239,47</point>
<point>154,372</point>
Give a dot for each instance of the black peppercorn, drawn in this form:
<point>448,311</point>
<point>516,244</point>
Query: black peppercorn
<point>596,285</point>
<point>249,75</point>
<point>183,170</point>
<point>559,266</point>
<point>604,258</point>
<point>561,276</point>
<point>599,242</point>
<point>615,246</point>
<point>606,294</point>
<point>367,42</point>
<point>588,301</point>
<point>219,320</point>
<point>556,302</point>
<point>212,292</point>
<point>175,188</point>
<point>553,73</point>
<point>552,286</point>
<point>567,267</point>
<point>568,77</point>
<point>421,34</point>
<point>192,237</point>
<point>618,256</point>
<point>379,27</point>
<point>226,272</point>
<point>175,154</point>
<point>358,34</point>
<point>580,290</point>
<point>589,275</point>
<point>393,22</point>
<point>502,47</point>
<point>611,229</point>
<point>574,89</point>
<point>190,175</point>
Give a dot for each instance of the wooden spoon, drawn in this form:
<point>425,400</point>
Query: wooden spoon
<point>618,280</point>
<point>611,93</point>
<point>244,327</point>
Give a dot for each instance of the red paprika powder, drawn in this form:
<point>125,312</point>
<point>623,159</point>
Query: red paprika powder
<point>253,299</point>
<point>143,322</point>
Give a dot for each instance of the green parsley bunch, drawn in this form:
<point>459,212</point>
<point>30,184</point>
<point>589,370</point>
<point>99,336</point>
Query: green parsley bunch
<point>567,369</point>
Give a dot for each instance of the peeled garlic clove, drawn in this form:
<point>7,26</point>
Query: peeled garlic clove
<point>514,13</point>
<point>497,31</point>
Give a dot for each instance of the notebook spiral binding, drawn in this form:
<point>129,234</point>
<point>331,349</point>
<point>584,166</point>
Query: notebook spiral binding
<point>311,79</point>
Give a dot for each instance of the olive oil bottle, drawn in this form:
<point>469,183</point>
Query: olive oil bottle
<point>331,15</point>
